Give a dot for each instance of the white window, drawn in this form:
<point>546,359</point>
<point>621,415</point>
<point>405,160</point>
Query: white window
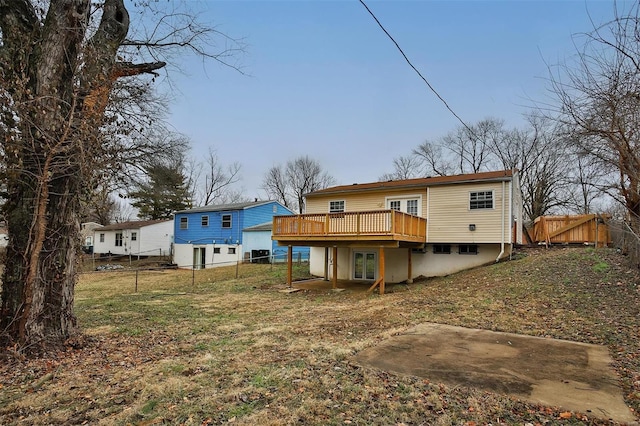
<point>480,200</point>
<point>336,206</point>
<point>204,221</point>
<point>226,221</point>
<point>184,223</point>
<point>118,239</point>
<point>134,236</point>
<point>412,207</point>
<point>409,204</point>
<point>102,238</point>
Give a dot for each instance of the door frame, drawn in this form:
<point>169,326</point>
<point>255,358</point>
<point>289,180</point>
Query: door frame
<point>365,252</point>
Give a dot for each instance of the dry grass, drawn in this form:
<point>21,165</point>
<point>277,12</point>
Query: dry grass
<point>222,349</point>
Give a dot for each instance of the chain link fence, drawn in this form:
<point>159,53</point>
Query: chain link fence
<point>625,239</point>
<point>156,273</point>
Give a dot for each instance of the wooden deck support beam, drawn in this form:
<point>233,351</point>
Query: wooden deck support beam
<point>289,265</point>
<point>381,268</point>
<point>409,267</point>
<point>334,281</point>
<point>326,263</point>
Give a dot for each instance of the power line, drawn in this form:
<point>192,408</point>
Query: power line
<point>415,69</point>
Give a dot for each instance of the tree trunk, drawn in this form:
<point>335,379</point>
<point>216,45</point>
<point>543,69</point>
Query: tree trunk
<point>59,85</point>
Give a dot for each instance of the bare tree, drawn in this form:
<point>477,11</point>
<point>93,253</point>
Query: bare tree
<point>597,99</point>
<point>299,176</point>
<point>276,186</point>
<point>215,184</point>
<point>434,159</point>
<point>404,167</point>
<point>60,62</point>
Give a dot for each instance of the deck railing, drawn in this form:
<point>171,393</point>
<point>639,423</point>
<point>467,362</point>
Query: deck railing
<point>390,223</point>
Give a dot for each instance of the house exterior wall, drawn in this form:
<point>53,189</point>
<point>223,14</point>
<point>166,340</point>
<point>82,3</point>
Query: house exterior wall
<point>425,264</point>
<point>449,215</point>
<point>256,240</point>
<point>183,255</point>
<point>374,200</point>
<point>214,238</point>
<point>240,219</point>
<point>151,240</point>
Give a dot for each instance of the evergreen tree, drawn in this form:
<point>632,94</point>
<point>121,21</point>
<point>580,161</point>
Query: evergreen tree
<point>165,191</point>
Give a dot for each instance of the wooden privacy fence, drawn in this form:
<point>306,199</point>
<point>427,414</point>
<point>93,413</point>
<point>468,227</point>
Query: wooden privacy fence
<point>571,229</point>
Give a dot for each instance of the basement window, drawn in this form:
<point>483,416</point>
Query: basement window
<point>468,249</point>
<point>442,248</point>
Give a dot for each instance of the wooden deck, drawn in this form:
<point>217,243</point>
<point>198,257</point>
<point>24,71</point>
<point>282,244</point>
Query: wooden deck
<point>377,226</point>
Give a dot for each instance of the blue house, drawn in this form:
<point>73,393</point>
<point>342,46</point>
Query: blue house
<point>219,235</point>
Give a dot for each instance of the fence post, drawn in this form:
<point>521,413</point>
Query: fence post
<point>136,281</point>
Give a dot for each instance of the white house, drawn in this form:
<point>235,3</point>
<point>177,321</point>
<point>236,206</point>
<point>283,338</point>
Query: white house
<point>143,238</point>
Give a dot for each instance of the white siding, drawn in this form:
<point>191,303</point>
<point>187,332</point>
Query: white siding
<point>152,240</point>
<point>183,255</point>
<point>449,216</point>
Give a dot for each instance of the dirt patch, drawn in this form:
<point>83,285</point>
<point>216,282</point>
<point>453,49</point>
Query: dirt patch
<point>574,376</point>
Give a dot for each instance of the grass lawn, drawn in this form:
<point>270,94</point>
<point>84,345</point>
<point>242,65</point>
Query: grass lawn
<point>236,350</point>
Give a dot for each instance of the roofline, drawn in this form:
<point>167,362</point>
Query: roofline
<point>495,176</point>
<point>228,207</point>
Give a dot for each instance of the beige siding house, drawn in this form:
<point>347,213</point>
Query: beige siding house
<point>395,231</point>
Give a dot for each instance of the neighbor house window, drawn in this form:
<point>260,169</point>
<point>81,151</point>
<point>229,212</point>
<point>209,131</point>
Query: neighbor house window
<point>134,236</point>
<point>102,238</point>
<point>118,239</point>
<point>232,250</point>
<point>226,221</point>
<point>481,200</point>
<point>204,220</point>
<point>184,223</point>
<point>216,250</point>
<point>468,249</point>
<point>336,206</point>
<point>442,248</point>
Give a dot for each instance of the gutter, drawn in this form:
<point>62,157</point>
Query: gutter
<point>502,224</point>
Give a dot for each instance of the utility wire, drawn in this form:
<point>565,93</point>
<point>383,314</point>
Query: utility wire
<point>415,69</point>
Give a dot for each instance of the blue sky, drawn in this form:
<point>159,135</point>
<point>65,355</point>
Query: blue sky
<point>323,80</point>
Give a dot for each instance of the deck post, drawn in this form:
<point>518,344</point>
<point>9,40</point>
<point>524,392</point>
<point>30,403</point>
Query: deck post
<point>409,271</point>
<point>334,280</point>
<point>326,263</point>
<point>289,264</point>
<point>381,268</point>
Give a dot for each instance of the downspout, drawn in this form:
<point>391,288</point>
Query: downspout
<point>502,224</point>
